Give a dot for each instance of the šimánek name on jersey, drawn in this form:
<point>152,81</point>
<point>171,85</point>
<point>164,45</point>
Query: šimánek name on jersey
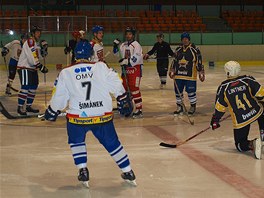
<point>86,105</point>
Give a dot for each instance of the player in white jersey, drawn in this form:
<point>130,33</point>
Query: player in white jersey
<point>131,61</point>
<point>96,42</point>
<point>16,47</point>
<point>27,66</point>
<point>85,88</point>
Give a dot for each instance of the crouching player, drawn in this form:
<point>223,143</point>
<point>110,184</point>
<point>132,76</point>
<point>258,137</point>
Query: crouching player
<point>242,95</point>
<point>91,110</point>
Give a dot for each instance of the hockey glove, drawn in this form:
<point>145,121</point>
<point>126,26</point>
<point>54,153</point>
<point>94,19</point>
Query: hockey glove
<point>124,61</point>
<point>172,74</point>
<point>124,105</point>
<point>146,56</point>
<point>202,76</point>
<point>42,68</point>
<point>215,122</point>
<point>116,42</point>
<point>4,51</point>
<point>67,50</point>
<point>44,48</point>
<point>51,115</point>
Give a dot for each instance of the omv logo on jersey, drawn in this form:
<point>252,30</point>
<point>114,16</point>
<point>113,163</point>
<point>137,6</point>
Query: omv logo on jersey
<point>82,69</point>
<point>83,72</point>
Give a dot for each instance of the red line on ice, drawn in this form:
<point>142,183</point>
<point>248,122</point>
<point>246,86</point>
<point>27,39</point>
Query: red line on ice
<point>221,171</point>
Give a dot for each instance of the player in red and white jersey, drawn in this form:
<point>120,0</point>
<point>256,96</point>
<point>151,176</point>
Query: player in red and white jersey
<point>131,61</point>
<point>27,66</point>
<point>96,42</point>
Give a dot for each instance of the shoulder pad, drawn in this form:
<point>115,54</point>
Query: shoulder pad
<point>250,77</point>
<point>31,42</point>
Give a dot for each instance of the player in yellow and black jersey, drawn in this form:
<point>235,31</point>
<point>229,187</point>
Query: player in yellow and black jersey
<point>243,96</point>
<point>184,69</point>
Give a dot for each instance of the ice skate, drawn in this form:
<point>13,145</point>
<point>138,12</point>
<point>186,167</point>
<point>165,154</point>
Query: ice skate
<point>162,86</point>
<point>257,148</point>
<point>83,177</point>
<point>20,111</point>
<point>31,110</point>
<point>192,109</point>
<point>8,90</point>
<point>129,177</point>
<point>137,114</point>
<point>179,111</point>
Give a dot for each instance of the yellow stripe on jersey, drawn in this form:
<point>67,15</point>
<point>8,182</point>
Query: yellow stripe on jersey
<point>185,77</point>
<point>91,120</point>
<point>260,92</point>
<point>220,107</point>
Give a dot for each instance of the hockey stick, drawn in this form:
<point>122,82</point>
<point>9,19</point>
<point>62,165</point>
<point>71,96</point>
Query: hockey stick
<point>163,144</point>
<point>68,40</point>
<point>9,116</point>
<point>185,109</point>
<point>45,82</point>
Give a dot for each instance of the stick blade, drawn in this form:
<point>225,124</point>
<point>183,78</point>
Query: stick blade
<point>163,144</point>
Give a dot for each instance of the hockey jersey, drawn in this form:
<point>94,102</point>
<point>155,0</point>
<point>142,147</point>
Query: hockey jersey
<point>86,88</point>
<point>16,47</point>
<point>133,51</point>
<point>30,55</point>
<point>98,51</point>
<point>187,62</point>
<point>162,49</point>
<point>241,95</point>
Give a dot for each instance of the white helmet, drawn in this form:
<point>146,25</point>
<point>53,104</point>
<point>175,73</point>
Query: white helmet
<point>232,68</point>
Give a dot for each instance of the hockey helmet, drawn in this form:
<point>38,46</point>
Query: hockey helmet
<point>35,28</point>
<point>131,29</point>
<point>160,35</point>
<point>232,68</point>
<point>24,36</point>
<point>185,35</point>
<point>83,50</point>
<point>97,28</point>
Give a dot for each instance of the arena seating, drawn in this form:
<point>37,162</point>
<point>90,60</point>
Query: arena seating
<point>144,21</point>
<point>244,21</point>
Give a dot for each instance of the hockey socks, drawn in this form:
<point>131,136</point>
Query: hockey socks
<point>79,154</point>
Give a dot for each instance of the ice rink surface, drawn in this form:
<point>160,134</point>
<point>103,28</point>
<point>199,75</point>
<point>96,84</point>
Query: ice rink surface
<point>36,160</point>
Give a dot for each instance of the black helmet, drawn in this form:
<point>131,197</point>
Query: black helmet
<point>35,28</point>
<point>131,29</point>
<point>160,35</point>
<point>24,36</point>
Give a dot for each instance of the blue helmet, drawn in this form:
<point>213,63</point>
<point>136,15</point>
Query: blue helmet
<point>185,35</point>
<point>97,28</point>
<point>83,50</point>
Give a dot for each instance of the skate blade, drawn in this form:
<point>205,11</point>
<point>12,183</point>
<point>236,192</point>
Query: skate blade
<point>177,115</point>
<point>86,184</point>
<point>133,183</point>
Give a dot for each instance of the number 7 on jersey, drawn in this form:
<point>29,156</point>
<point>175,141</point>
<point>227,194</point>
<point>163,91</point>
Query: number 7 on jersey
<point>87,84</point>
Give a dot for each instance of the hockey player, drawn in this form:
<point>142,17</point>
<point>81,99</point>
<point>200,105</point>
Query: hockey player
<point>96,42</point>
<point>131,61</point>
<point>162,49</point>
<point>16,47</point>
<point>91,110</point>
<point>184,69</point>
<point>242,95</point>
<point>27,66</point>
<point>77,36</point>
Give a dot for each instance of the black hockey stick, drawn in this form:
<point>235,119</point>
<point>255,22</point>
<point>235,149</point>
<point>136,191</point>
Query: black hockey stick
<point>163,144</point>
<point>9,116</point>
